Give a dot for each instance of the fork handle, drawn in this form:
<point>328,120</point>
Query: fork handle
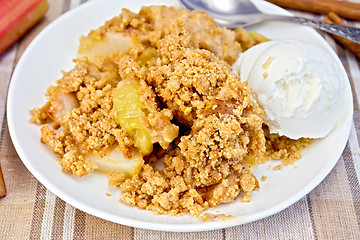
<point>350,33</point>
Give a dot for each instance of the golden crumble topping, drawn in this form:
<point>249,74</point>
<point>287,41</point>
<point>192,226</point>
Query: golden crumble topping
<point>286,149</point>
<point>151,24</point>
<point>168,84</point>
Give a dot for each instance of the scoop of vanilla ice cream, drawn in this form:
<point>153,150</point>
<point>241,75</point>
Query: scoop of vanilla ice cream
<point>298,84</point>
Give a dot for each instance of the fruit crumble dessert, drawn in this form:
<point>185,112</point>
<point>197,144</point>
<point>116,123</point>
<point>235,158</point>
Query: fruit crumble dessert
<point>156,88</point>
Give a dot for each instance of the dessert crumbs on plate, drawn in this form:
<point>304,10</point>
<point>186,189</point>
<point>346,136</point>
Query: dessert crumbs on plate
<point>278,167</point>
<point>200,120</point>
<point>286,149</point>
<point>263,178</point>
<point>209,217</point>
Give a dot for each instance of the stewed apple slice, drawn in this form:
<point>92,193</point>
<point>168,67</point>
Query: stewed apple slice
<point>114,161</point>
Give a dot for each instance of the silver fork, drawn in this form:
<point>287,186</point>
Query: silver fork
<point>236,13</point>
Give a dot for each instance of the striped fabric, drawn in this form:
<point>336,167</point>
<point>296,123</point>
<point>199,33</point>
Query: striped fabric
<point>30,211</point>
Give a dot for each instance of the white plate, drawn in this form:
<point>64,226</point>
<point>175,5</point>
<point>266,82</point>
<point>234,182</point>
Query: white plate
<point>52,51</point>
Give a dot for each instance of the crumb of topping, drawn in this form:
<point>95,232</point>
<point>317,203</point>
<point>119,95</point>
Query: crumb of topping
<point>40,115</point>
<point>116,178</point>
<point>263,178</point>
<point>278,167</point>
<point>245,198</point>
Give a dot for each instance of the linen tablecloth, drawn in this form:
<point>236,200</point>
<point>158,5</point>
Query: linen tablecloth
<point>30,211</point>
